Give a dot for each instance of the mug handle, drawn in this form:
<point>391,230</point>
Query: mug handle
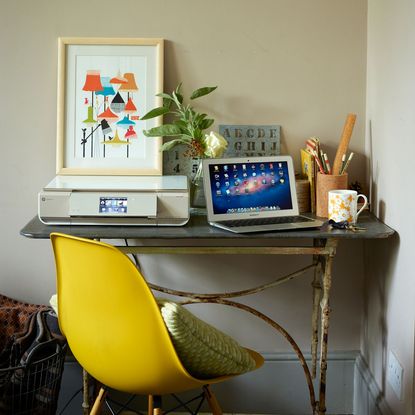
<point>364,205</point>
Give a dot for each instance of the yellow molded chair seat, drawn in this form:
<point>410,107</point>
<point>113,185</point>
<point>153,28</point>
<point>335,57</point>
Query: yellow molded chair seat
<point>113,323</point>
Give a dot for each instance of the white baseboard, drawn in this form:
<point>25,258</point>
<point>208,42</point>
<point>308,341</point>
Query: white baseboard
<point>368,397</point>
<point>279,387</point>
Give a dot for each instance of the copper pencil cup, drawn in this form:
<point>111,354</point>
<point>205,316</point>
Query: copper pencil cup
<point>325,183</point>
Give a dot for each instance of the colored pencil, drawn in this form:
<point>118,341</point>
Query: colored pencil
<point>316,158</point>
<point>326,160</point>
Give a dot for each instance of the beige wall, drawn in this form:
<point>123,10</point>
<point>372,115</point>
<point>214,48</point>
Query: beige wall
<point>390,284</point>
<point>299,63</point>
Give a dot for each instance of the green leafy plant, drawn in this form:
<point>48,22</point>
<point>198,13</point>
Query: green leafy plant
<point>188,125</point>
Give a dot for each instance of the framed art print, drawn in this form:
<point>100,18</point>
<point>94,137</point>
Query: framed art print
<point>104,87</point>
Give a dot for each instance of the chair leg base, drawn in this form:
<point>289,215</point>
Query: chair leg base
<point>212,401</point>
<point>154,402</point>
<point>154,405</point>
<point>96,409</point>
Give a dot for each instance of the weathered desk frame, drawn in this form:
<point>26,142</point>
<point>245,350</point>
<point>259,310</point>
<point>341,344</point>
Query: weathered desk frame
<point>323,251</point>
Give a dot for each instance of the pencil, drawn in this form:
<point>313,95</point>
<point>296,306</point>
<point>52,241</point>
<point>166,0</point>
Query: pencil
<point>320,167</point>
<point>312,143</point>
<point>347,163</point>
<point>326,160</point>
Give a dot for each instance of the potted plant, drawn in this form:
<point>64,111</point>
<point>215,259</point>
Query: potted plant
<point>187,127</point>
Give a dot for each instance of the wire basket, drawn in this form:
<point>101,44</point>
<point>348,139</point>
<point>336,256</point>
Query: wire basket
<point>32,389</point>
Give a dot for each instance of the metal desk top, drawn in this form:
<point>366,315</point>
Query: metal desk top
<point>198,229</point>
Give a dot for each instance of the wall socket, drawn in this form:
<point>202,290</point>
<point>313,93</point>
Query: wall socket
<point>395,374</point>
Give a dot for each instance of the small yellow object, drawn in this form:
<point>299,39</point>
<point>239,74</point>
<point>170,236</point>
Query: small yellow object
<point>215,145</point>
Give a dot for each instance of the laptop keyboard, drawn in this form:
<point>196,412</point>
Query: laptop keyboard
<point>265,221</point>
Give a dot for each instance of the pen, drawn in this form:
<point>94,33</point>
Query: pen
<point>323,161</point>
<point>347,163</point>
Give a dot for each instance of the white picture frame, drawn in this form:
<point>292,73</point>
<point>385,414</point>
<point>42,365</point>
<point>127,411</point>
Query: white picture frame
<point>104,86</point>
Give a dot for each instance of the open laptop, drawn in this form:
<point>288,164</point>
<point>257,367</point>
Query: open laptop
<point>253,194</point>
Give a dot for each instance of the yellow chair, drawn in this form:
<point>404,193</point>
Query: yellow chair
<point>114,326</point>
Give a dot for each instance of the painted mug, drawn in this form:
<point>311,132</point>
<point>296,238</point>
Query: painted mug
<point>343,205</point>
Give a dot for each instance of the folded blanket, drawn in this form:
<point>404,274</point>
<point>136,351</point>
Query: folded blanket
<point>29,333</point>
<point>14,316</point>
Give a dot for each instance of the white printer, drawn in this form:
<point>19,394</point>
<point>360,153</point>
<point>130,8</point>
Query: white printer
<point>115,200</point>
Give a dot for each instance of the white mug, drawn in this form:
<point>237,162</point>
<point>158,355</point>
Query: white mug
<point>343,205</point>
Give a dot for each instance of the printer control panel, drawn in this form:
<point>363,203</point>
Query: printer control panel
<point>113,204</point>
<point>118,205</point>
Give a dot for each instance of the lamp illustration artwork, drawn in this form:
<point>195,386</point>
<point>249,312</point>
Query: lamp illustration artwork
<point>116,141</point>
<point>130,86</point>
<point>92,84</point>
<point>107,91</point>
<point>109,110</point>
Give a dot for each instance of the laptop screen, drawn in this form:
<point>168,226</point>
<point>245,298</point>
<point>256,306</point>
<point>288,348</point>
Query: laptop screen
<point>243,186</point>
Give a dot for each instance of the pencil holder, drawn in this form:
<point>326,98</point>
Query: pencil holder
<point>325,183</point>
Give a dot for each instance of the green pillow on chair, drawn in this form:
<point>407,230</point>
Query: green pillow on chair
<point>205,351</point>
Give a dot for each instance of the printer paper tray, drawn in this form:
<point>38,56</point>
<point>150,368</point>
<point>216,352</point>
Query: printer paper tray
<point>110,221</point>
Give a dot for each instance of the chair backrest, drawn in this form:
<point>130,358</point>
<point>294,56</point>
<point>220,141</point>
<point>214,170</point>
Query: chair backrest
<point>112,321</point>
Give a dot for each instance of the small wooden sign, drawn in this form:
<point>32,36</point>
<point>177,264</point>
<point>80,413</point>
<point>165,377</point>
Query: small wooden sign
<point>251,140</point>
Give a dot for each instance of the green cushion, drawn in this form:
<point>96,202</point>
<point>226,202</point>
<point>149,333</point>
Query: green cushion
<point>204,351</point>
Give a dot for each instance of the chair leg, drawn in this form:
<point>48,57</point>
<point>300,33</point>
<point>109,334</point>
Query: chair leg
<point>156,405</point>
<point>96,409</point>
<point>212,401</point>
<point>150,405</point>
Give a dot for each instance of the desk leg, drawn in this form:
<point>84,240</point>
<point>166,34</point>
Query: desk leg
<point>85,392</point>
<point>277,327</point>
<point>315,316</point>
<point>325,318</point>
<point>316,284</point>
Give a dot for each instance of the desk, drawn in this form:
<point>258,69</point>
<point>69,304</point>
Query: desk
<point>321,245</point>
